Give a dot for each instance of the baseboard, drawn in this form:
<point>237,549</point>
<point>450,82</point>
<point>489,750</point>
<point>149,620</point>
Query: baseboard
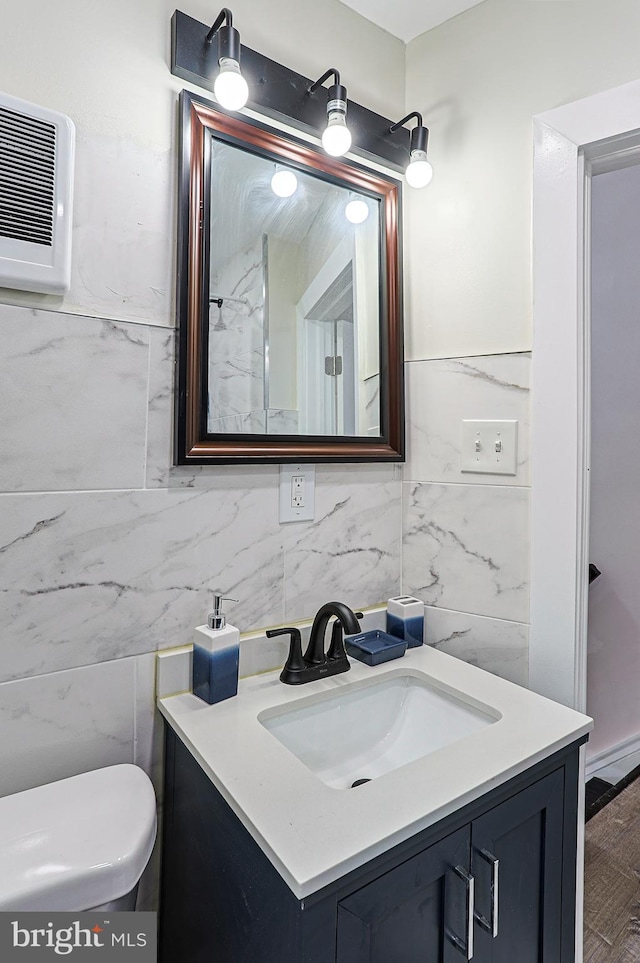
<point>612,755</point>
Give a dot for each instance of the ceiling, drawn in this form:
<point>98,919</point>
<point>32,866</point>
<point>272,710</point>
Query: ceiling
<point>407,19</point>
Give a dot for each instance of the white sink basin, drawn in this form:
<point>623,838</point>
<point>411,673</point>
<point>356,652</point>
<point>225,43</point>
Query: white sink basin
<point>373,728</point>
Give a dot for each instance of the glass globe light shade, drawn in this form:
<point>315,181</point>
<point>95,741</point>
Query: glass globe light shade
<point>357,211</point>
<point>336,138</point>
<point>419,171</point>
<point>284,183</point>
<point>230,87</point>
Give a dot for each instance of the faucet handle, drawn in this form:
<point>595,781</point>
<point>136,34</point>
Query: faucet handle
<point>295,664</point>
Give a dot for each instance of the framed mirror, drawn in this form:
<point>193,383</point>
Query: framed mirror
<point>289,299</point>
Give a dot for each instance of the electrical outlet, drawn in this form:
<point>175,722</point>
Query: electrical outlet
<point>297,491</point>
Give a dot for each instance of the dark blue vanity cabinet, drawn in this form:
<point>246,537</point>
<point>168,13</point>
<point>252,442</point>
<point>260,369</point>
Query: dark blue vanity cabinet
<point>222,901</point>
<point>401,914</point>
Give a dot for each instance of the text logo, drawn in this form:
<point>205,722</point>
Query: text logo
<point>32,937</point>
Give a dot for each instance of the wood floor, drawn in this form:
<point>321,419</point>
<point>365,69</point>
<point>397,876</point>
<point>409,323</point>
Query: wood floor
<point>612,881</point>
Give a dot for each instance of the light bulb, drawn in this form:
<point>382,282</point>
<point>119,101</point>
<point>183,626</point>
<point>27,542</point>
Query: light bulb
<point>284,183</point>
<point>336,138</point>
<point>230,87</point>
<point>419,171</point>
<point>357,211</point>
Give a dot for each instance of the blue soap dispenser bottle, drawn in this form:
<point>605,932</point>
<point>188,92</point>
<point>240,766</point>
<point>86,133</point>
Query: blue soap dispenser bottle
<point>216,653</point>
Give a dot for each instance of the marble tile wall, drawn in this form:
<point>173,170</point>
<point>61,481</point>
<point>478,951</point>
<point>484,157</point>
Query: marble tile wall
<point>108,552</point>
<point>465,538</point>
<point>236,355</point>
<point>59,724</point>
<point>282,421</point>
<point>372,405</point>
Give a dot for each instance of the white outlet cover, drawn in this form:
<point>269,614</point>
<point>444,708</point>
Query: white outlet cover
<point>307,512</point>
<point>480,440</point>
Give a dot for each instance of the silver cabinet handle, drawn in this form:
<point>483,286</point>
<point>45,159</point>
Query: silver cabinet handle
<point>491,925</point>
<point>466,948</point>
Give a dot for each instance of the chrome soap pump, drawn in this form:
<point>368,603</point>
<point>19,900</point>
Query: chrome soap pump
<point>216,653</point>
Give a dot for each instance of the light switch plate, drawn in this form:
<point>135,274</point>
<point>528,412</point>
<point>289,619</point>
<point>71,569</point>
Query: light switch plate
<point>489,447</point>
<point>297,493</point>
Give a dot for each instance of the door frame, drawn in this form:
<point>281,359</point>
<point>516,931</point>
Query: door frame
<point>597,133</point>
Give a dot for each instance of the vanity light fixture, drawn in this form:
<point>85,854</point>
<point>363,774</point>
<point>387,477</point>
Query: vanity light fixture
<point>336,137</point>
<point>356,210</point>
<point>230,87</point>
<point>284,183</point>
<point>419,171</point>
<point>279,93</point>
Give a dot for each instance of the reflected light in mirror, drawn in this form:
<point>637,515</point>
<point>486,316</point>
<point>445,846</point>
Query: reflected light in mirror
<point>284,183</point>
<point>294,349</point>
<point>357,211</point>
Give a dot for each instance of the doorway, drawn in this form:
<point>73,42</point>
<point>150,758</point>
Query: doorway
<point>567,142</point>
<point>613,634</point>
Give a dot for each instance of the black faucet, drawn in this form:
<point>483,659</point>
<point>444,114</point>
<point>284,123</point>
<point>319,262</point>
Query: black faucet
<point>316,663</point>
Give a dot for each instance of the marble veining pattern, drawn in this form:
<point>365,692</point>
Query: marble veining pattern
<point>63,723</point>
<point>466,548</point>
<point>282,421</point>
<point>371,393</point>
<point>72,401</point>
<point>88,577</point>
<point>440,394</point>
<point>236,326</point>
<point>148,745</point>
<point>236,337</point>
<point>236,387</point>
<point>493,644</point>
<point>252,421</point>
<point>351,551</point>
<point>161,472</point>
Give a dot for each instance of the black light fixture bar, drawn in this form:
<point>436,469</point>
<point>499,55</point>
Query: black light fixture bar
<point>277,91</point>
<point>419,134</point>
<point>228,37</point>
<point>336,82</point>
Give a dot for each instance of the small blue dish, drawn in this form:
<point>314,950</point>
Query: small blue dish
<point>375,646</point>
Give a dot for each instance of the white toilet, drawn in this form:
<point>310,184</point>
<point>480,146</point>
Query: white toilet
<point>78,844</point>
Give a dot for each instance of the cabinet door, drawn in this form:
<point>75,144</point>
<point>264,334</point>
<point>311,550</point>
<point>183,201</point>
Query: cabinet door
<point>415,913</point>
<point>525,834</point>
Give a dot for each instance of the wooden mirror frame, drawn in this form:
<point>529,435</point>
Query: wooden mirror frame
<point>193,443</point>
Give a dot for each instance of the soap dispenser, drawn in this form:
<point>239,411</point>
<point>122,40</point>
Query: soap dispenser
<point>216,653</point>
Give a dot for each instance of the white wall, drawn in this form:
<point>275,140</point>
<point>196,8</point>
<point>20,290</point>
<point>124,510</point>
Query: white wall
<point>613,663</point>
<point>107,552</point>
<point>479,79</point>
<point>106,65</point>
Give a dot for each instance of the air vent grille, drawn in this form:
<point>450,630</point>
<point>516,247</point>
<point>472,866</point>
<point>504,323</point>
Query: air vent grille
<point>27,177</point>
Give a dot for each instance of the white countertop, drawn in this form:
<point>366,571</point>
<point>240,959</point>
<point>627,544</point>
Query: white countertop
<point>314,834</point>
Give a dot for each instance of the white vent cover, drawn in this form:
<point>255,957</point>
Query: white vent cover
<point>36,194</point>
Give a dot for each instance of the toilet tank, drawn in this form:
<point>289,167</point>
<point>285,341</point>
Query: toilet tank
<point>77,843</point>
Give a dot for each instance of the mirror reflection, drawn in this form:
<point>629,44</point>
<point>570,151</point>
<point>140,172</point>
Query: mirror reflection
<point>294,301</point>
